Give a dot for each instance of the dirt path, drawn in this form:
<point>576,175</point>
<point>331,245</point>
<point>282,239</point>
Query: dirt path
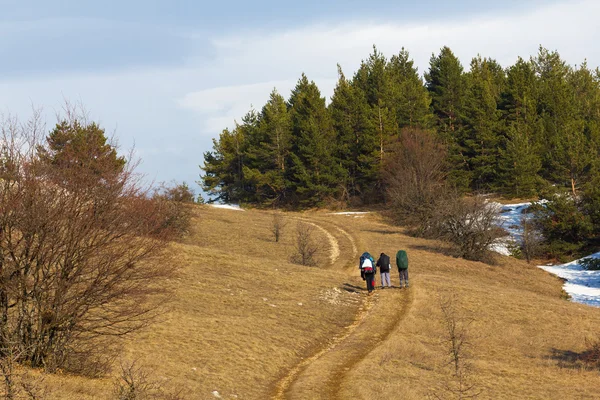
<point>334,252</point>
<point>322,375</point>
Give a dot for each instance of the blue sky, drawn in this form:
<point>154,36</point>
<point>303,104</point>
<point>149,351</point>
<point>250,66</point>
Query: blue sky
<point>168,76</point>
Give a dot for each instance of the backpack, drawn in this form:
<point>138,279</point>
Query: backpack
<point>367,270</point>
<point>384,262</point>
<point>402,259</point>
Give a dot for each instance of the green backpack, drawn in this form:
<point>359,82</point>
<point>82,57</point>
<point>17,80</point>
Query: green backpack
<point>402,259</point>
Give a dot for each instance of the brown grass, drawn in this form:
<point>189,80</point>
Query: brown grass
<point>234,323</point>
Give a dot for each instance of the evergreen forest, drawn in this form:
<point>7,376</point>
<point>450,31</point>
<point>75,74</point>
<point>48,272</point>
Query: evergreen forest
<point>516,131</point>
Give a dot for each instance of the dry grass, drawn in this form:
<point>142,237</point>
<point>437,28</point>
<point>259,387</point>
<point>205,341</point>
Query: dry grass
<point>234,323</point>
<point>241,314</point>
<point>522,333</point>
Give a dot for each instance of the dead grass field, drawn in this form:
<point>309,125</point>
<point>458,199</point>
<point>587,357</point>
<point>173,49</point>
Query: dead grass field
<point>241,316</point>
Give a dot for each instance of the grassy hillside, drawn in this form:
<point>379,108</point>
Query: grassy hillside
<point>246,322</point>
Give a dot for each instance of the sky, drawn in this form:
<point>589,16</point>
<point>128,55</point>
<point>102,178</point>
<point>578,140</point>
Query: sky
<point>165,77</point>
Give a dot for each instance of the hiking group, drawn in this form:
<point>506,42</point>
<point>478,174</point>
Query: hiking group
<point>368,269</point>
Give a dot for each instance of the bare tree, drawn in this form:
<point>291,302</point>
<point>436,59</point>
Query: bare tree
<point>306,247</point>
<point>81,244</point>
<point>278,225</point>
<point>17,384</point>
<point>177,192</point>
<point>471,224</point>
<point>135,383</point>
<point>531,241</point>
<point>456,343</point>
<point>415,176</point>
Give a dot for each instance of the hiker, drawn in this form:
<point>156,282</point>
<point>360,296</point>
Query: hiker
<point>384,268</point>
<point>367,270</point>
<point>402,263</point>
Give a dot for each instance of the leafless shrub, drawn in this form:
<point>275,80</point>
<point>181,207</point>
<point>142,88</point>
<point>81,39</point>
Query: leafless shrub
<point>455,341</point>
<point>17,384</point>
<point>591,356</point>
<point>175,200</point>
<point>177,192</point>
<point>532,240</point>
<point>306,247</point>
<point>134,383</point>
<point>81,243</point>
<point>471,225</point>
<point>278,225</point>
<point>415,176</point>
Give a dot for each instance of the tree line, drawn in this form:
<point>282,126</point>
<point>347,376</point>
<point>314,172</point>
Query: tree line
<point>516,131</point>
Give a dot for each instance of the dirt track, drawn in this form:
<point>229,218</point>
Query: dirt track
<point>323,375</point>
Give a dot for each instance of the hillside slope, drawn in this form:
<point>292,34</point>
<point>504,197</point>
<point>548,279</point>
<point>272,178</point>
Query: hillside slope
<point>246,322</point>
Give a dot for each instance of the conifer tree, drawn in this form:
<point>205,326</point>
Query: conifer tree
<point>581,151</point>
<point>223,176</point>
<point>268,149</point>
<point>356,144</point>
<point>313,173</point>
<point>557,114</point>
<point>447,86</point>
<point>481,130</point>
<point>372,79</point>
<point>520,154</point>
<point>409,98</point>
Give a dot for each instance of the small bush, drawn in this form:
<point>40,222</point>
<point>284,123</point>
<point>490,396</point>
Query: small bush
<point>590,264</point>
<point>591,356</point>
<point>278,225</point>
<point>306,247</point>
<point>134,383</point>
<point>565,227</point>
<point>471,225</point>
<point>531,241</point>
<point>178,192</point>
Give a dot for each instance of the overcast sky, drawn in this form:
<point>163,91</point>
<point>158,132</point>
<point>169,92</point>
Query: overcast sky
<point>168,76</point>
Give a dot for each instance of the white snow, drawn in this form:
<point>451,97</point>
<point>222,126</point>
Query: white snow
<point>510,217</point>
<point>228,206</point>
<point>582,285</point>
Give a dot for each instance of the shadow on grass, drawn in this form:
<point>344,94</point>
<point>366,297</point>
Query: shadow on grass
<point>353,288</point>
<point>382,231</point>
<point>568,359</point>
<point>447,251</point>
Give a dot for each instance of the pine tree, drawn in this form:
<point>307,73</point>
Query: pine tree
<point>409,98</point>
<point>313,172</point>
<point>581,149</point>
<point>557,114</point>
<point>373,80</point>
<point>447,86</point>
<point>356,150</point>
<point>223,167</point>
<point>268,149</point>
<point>520,154</point>
<point>81,151</point>
<point>481,130</point>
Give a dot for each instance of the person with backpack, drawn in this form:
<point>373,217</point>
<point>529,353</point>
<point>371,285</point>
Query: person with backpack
<point>384,268</point>
<point>367,270</point>
<point>402,263</point>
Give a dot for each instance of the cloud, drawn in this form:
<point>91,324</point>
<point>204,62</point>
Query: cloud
<point>221,107</point>
<point>172,109</point>
<point>252,64</point>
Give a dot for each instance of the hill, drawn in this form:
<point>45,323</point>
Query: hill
<point>247,323</point>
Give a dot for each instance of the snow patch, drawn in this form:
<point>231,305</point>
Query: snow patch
<point>235,207</point>
<point>510,218</point>
<point>582,285</point>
